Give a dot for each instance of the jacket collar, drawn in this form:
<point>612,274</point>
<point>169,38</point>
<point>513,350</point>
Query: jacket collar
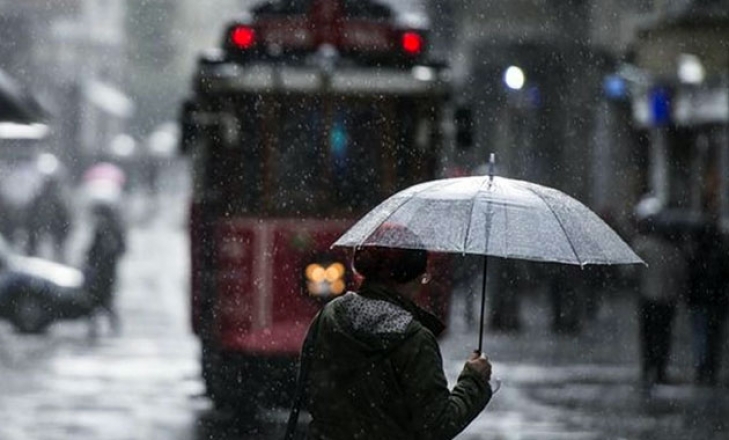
<point>375,290</point>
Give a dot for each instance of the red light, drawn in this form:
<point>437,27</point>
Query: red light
<point>412,43</point>
<point>243,37</point>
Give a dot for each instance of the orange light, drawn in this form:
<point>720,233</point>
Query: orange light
<point>334,272</point>
<point>243,37</point>
<point>338,287</point>
<point>315,273</point>
<point>325,282</point>
<point>412,43</point>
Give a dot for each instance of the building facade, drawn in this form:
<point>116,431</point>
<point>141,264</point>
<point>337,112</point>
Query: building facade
<point>568,122</point>
<point>71,54</point>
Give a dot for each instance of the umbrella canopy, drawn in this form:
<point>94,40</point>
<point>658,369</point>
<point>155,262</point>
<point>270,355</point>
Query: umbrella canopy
<point>496,216</point>
<point>105,171</point>
<point>493,216</point>
<point>16,105</point>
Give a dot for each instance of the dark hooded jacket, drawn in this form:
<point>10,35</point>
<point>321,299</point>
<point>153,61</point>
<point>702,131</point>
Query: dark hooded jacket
<point>377,373</point>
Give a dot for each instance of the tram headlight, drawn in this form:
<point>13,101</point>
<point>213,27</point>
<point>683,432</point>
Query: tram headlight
<point>325,280</point>
<point>315,273</point>
<point>334,272</point>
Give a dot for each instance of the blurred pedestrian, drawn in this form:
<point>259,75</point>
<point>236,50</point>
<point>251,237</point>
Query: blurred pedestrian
<point>49,216</point>
<point>19,184</point>
<point>372,364</point>
<point>707,299</point>
<point>107,246</point>
<point>660,286</point>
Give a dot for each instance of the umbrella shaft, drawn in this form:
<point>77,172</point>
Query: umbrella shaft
<point>483,305</point>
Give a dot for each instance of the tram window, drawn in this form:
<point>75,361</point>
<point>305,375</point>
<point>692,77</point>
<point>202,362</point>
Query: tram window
<point>359,9</point>
<point>213,162</point>
<point>234,167</point>
<point>249,163</point>
<point>286,7</point>
<point>324,157</point>
<point>297,167</point>
<point>355,144</point>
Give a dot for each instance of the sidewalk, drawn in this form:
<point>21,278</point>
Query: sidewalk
<point>586,386</point>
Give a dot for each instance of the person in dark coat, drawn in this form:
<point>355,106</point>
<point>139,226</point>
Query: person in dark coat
<point>377,371</point>
<point>102,258</point>
<point>708,299</point>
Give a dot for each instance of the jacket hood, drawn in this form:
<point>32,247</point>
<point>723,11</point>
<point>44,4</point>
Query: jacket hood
<point>371,324</point>
<point>377,318</point>
<point>375,290</point>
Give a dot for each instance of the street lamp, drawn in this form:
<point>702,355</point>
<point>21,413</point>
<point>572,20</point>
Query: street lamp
<point>514,78</point>
<point>690,69</point>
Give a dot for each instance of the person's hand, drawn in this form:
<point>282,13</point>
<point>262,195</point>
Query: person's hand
<point>480,364</point>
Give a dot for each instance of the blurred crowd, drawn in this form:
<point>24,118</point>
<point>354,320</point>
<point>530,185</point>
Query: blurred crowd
<point>686,266</point>
<point>45,214</point>
<point>36,204</point>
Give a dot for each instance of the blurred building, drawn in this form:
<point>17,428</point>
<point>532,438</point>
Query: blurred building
<point>552,82</point>
<point>108,71</point>
<point>561,91</point>
<point>533,70</point>
<point>679,98</point>
<point>71,53</point>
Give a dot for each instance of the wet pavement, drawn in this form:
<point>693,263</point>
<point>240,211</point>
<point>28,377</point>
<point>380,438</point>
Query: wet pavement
<point>144,384</point>
<point>139,385</point>
<point>586,386</point>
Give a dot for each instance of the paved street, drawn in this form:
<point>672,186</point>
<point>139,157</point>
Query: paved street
<point>145,385</point>
<point>136,386</point>
<point>586,386</point>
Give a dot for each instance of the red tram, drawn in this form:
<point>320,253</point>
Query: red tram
<point>310,114</point>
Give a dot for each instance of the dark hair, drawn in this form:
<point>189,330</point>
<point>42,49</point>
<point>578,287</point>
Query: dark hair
<point>391,253</point>
<point>390,264</point>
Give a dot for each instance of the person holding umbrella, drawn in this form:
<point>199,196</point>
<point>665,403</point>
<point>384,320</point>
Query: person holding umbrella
<point>489,216</point>
<point>374,366</point>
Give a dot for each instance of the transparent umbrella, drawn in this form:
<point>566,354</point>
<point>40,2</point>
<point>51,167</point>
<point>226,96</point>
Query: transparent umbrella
<point>496,216</point>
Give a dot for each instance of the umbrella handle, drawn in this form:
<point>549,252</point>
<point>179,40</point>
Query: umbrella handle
<point>483,305</point>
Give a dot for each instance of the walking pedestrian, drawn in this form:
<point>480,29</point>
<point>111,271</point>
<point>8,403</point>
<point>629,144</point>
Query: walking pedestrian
<point>661,283</point>
<point>372,366</point>
<point>708,300</point>
<point>102,258</point>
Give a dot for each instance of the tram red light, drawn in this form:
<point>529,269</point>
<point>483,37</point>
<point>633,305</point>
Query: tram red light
<point>412,43</point>
<point>243,37</point>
